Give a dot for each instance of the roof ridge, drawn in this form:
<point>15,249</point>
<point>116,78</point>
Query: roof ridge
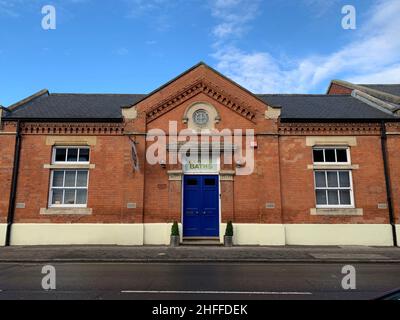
<point>375,92</point>
<point>303,95</point>
<point>23,102</point>
<point>378,84</point>
<point>97,94</point>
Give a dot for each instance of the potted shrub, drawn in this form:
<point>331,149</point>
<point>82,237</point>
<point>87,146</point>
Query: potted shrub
<point>175,237</point>
<point>228,239</point>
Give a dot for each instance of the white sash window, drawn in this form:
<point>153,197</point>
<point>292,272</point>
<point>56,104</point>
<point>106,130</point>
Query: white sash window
<point>69,185</point>
<point>333,184</point>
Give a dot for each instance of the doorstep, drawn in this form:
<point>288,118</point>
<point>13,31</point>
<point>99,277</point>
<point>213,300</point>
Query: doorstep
<point>201,242</point>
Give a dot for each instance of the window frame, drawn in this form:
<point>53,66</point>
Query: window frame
<point>334,167</point>
<point>51,205</point>
<point>65,166</point>
<point>53,157</point>
<point>332,148</point>
<point>334,206</point>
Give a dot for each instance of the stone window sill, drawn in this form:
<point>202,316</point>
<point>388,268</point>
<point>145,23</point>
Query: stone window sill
<point>66,211</point>
<point>336,212</point>
<point>333,167</point>
<point>69,166</point>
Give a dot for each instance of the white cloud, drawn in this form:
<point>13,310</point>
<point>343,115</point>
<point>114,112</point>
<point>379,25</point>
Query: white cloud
<point>122,51</point>
<point>10,7</point>
<point>234,16</point>
<point>16,8</point>
<point>388,75</point>
<point>320,7</point>
<point>157,12</point>
<point>372,56</point>
<point>140,7</point>
<point>260,71</point>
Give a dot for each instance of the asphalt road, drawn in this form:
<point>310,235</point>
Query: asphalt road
<point>197,281</point>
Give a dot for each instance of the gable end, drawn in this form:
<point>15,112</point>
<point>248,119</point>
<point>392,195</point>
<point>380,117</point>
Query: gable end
<point>206,87</point>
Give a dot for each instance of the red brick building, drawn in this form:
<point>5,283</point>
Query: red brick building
<point>303,169</point>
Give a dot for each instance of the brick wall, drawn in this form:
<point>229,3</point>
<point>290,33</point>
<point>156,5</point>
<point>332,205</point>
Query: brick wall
<point>338,89</point>
<point>393,144</point>
<point>281,179</point>
<point>112,184</point>
<point>298,182</point>
<point>7,146</point>
<point>254,192</point>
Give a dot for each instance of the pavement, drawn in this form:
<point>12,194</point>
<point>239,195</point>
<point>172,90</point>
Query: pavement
<point>199,254</point>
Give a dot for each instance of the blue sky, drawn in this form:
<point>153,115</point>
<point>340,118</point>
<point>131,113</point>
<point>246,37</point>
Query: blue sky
<point>134,46</point>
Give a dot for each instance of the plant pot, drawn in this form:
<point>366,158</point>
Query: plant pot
<point>228,241</point>
<point>175,241</point>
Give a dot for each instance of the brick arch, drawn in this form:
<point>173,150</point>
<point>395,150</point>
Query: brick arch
<point>207,88</point>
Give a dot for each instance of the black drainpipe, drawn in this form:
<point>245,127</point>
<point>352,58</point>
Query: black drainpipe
<point>12,203</point>
<point>388,181</point>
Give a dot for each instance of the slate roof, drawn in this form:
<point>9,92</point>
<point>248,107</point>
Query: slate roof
<point>387,88</point>
<point>75,106</point>
<point>323,107</point>
<point>108,107</point>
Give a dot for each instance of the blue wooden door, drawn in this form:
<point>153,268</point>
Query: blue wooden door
<point>201,206</point>
<point>192,206</point>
